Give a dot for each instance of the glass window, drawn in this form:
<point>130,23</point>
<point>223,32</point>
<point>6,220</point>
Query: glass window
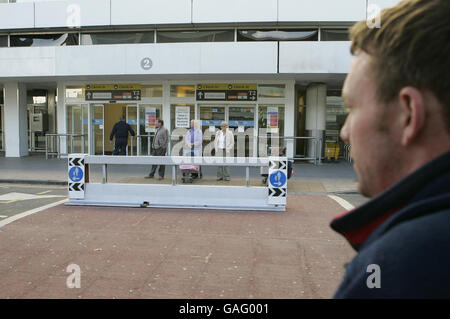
<point>334,35</point>
<point>277,35</point>
<point>272,125</point>
<point>74,92</point>
<point>195,36</point>
<point>117,37</point>
<point>152,91</point>
<point>271,90</point>
<point>43,40</point>
<point>336,115</point>
<point>3,40</point>
<point>173,111</point>
<point>77,123</point>
<point>144,139</point>
<point>182,91</point>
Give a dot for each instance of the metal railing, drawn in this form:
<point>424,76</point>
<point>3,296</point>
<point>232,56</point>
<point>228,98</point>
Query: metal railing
<point>139,138</point>
<point>57,150</point>
<point>347,153</point>
<point>317,147</point>
<point>175,161</point>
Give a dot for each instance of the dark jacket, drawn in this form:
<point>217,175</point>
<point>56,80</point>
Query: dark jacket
<point>406,232</point>
<point>120,130</point>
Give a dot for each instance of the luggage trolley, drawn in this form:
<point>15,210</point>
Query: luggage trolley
<point>190,172</point>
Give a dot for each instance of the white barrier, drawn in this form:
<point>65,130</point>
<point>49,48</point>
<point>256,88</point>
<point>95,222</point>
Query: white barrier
<point>272,197</point>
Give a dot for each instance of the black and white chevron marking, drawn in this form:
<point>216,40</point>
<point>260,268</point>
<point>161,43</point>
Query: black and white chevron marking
<point>277,192</point>
<point>278,165</point>
<point>76,162</point>
<point>76,187</point>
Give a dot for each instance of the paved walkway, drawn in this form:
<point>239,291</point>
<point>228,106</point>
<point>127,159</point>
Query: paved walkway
<point>337,177</point>
<point>170,253</point>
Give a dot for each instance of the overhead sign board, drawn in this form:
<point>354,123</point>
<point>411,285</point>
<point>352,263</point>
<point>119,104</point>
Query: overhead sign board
<point>113,92</point>
<point>226,92</point>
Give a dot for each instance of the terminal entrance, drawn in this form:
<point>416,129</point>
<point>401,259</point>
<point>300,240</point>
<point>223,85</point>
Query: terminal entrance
<point>104,116</point>
<point>239,118</point>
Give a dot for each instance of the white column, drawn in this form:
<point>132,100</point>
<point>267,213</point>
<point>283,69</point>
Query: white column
<point>16,135</point>
<point>316,100</point>
<point>289,118</point>
<point>61,116</point>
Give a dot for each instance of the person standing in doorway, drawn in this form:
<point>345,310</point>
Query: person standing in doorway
<point>224,146</point>
<point>159,145</point>
<point>121,130</point>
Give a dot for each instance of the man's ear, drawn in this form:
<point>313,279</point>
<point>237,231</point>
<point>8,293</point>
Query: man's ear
<point>412,108</point>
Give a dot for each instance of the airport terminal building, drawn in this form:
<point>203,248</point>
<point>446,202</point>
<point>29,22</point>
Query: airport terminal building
<point>70,69</point>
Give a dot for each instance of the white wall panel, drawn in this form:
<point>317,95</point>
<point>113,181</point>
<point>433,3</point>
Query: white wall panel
<point>384,3</point>
<point>91,60</point>
<point>132,12</point>
<point>315,57</point>
<point>72,13</point>
<point>39,61</point>
<point>321,10</point>
<point>170,58</point>
<point>210,11</point>
<point>204,58</point>
<point>16,15</point>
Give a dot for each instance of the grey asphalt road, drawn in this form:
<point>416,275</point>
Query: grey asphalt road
<point>16,199</point>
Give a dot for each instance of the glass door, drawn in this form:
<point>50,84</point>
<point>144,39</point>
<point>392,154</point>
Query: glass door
<point>143,137</point>
<point>242,120</point>
<point>211,117</point>
<point>77,123</point>
<point>97,129</point>
<point>132,121</point>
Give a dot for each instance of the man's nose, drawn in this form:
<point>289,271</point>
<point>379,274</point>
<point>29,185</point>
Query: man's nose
<point>345,131</point>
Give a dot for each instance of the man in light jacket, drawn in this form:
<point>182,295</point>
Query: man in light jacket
<point>159,145</point>
<point>224,146</point>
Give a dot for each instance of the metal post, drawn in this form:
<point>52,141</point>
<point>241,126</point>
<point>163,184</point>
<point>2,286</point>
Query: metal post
<point>71,144</point>
<point>247,176</point>
<point>82,144</point>
<point>174,175</point>
<point>148,145</point>
<point>132,146</point>
<point>320,151</point>
<point>46,147</point>
<point>138,145</point>
<point>105,174</point>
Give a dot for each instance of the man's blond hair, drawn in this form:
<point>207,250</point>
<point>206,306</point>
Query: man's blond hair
<point>411,48</point>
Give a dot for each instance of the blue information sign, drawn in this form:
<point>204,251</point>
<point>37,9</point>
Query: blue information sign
<point>278,179</point>
<point>76,174</point>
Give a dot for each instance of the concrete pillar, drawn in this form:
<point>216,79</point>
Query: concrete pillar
<point>61,116</point>
<point>316,101</point>
<point>16,135</point>
<point>289,118</point>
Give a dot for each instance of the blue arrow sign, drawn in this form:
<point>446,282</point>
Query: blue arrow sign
<point>76,174</point>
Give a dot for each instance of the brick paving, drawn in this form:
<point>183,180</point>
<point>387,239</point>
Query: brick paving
<point>174,253</point>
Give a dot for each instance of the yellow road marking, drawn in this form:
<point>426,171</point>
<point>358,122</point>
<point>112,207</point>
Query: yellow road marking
<point>42,193</point>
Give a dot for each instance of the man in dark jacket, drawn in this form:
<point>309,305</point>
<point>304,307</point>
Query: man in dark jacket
<point>120,130</point>
<point>398,95</point>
